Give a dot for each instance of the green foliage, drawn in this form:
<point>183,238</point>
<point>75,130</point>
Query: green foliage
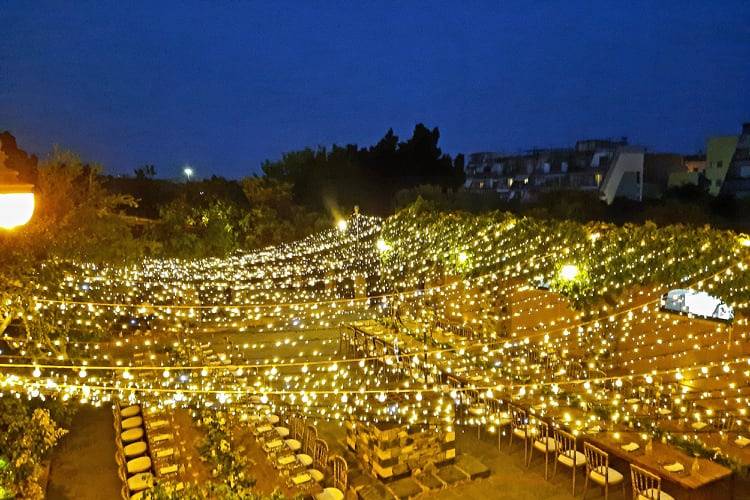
<point>27,433</point>
<point>189,230</point>
<point>345,176</point>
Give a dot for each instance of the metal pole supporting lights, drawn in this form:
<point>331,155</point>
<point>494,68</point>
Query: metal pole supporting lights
<point>16,198</point>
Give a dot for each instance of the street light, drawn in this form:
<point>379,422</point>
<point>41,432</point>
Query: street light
<point>188,172</point>
<point>16,198</point>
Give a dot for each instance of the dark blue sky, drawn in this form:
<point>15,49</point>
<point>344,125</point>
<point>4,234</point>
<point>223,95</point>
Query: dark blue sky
<point>225,86</point>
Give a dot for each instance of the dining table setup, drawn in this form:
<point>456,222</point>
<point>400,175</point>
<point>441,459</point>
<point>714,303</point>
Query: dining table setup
<point>152,450</point>
<point>647,423</point>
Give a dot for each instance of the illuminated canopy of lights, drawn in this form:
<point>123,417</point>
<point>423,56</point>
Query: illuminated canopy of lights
<point>409,279</point>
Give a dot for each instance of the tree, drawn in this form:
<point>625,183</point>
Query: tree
<point>145,172</point>
<point>27,434</point>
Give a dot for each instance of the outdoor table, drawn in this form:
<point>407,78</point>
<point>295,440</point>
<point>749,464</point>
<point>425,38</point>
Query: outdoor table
<point>706,483</point>
<point>727,444</point>
<point>131,423</point>
<point>141,481</point>
<point>135,449</point>
<point>273,419</point>
<point>131,435</point>
<point>130,411</point>
<point>140,464</point>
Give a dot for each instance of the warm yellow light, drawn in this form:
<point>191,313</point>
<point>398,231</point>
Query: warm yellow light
<point>569,272</point>
<point>382,245</point>
<point>16,209</point>
<point>342,225</point>
<point>462,257</point>
<point>745,242</point>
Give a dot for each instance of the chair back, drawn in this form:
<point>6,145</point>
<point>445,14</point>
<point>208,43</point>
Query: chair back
<point>518,418</point>
<point>725,422</point>
<point>452,381</point>
<point>308,442</point>
<point>645,484</point>
<point>470,396</point>
<point>296,428</point>
<point>340,473</point>
<point>565,442</point>
<point>575,371</point>
<point>540,432</point>
<point>320,455</point>
<point>596,460</point>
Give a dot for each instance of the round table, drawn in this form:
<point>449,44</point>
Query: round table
<point>273,419</point>
<point>140,464</point>
<point>130,411</point>
<point>131,423</point>
<point>135,449</point>
<point>141,481</point>
<point>131,435</point>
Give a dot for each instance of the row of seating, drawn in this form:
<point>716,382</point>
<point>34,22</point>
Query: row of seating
<point>133,456</point>
<point>562,446</point>
<point>296,451</point>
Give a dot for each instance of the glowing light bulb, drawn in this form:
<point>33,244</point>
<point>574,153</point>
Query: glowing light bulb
<point>382,245</point>
<point>569,272</point>
<point>342,225</point>
<point>16,209</point>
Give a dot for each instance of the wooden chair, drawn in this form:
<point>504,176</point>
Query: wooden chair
<point>340,473</point>
<point>566,448</point>
<point>599,471</point>
<point>497,418</point>
<point>308,441</point>
<point>296,430</point>
<point>519,428</point>
<point>320,460</point>
<point>476,409</point>
<point>646,486</point>
<point>340,480</point>
<point>541,440</point>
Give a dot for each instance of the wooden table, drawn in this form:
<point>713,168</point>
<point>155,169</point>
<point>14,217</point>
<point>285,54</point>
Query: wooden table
<point>711,481</point>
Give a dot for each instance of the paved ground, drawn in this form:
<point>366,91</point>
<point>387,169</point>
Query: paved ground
<point>509,478</point>
<point>83,466</point>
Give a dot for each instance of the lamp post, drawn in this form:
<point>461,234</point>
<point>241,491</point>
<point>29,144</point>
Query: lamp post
<point>16,198</point>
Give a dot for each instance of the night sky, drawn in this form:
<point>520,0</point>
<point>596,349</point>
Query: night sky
<point>223,86</point>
